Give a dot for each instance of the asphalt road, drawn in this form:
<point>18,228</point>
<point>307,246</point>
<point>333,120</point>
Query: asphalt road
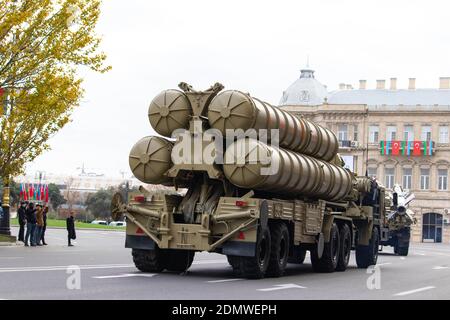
<point>107,272</point>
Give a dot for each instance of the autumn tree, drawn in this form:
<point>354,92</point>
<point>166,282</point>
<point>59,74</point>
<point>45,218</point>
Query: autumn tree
<point>43,43</point>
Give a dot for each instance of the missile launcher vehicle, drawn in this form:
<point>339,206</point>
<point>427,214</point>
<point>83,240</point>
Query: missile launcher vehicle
<point>260,185</point>
<point>399,220</point>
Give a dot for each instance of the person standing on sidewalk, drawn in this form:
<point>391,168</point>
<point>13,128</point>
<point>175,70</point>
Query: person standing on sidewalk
<point>31,225</point>
<point>39,225</point>
<point>70,224</point>
<point>22,220</point>
<point>44,211</point>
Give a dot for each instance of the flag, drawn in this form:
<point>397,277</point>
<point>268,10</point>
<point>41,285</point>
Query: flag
<point>428,148</point>
<point>382,151</point>
<point>404,144</point>
<point>388,146</point>
<point>416,149</point>
<point>46,193</point>
<point>42,193</point>
<point>395,148</point>
<point>30,188</point>
<point>21,191</point>
<point>408,148</point>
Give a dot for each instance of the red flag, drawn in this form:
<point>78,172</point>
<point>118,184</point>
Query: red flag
<point>31,191</point>
<point>21,191</point>
<point>395,147</point>
<point>416,148</point>
<point>41,193</point>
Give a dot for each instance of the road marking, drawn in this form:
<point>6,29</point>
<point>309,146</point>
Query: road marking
<point>402,258</point>
<point>420,254</point>
<point>440,267</point>
<point>127,275</point>
<point>282,287</point>
<point>57,268</point>
<point>404,293</point>
<point>224,280</point>
<point>209,261</point>
<point>383,264</point>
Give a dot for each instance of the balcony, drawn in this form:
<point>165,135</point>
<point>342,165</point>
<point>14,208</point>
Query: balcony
<point>348,144</point>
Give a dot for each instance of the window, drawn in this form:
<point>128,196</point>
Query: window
<point>391,133</point>
<point>443,134</point>
<point>372,172</point>
<point>426,133</point>
<point>408,133</point>
<point>407,177</point>
<point>424,179</point>
<point>373,133</point>
<point>342,132</point>
<point>442,179</point>
<point>389,177</point>
<point>355,132</point>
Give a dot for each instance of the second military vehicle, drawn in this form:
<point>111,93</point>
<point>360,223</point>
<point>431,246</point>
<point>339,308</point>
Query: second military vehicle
<point>259,204</point>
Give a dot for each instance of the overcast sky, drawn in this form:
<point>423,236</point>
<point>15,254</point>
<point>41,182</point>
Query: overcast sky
<point>255,46</point>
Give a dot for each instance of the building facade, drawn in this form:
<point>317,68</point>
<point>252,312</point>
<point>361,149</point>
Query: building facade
<point>399,136</point>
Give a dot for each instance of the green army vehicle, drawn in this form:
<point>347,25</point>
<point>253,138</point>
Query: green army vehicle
<point>399,220</point>
<point>261,199</point>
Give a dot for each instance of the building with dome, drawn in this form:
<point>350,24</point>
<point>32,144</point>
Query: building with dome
<point>398,135</point>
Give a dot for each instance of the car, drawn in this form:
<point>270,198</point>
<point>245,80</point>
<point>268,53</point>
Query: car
<point>118,224</point>
<point>102,222</point>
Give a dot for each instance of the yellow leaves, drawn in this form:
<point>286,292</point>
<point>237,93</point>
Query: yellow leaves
<point>39,55</point>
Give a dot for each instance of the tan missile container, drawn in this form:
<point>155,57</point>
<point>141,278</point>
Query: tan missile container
<point>236,110</point>
<point>150,158</point>
<point>252,164</point>
<point>168,111</point>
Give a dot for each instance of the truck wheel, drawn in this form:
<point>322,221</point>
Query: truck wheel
<point>149,260</point>
<point>403,251</point>
<point>234,263</point>
<point>368,255</point>
<point>256,267</point>
<point>279,250</point>
<point>345,248</point>
<point>179,260</point>
<point>330,255</point>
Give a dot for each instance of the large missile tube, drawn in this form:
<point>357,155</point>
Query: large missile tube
<point>150,158</point>
<point>168,111</point>
<point>293,173</point>
<point>236,110</point>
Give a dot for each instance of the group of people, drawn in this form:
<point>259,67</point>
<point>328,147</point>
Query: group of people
<point>35,219</point>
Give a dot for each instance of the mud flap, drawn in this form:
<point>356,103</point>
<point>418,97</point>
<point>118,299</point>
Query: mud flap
<point>139,242</point>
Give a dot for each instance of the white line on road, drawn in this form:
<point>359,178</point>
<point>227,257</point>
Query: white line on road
<point>282,287</point>
<point>209,261</point>
<point>402,258</point>
<point>224,280</point>
<point>127,275</point>
<point>383,264</point>
<point>56,268</point>
<point>440,267</point>
<point>404,293</point>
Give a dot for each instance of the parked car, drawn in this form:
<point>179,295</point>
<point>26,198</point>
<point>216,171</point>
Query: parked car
<point>102,222</point>
<point>118,224</point>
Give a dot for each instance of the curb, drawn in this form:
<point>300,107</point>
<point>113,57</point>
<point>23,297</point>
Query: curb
<point>90,229</point>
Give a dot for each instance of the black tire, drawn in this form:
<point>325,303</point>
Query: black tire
<point>149,260</point>
<point>234,263</point>
<point>330,256</point>
<point>345,248</point>
<point>179,260</point>
<point>256,267</point>
<point>368,255</point>
<point>279,251</point>
<point>402,251</point>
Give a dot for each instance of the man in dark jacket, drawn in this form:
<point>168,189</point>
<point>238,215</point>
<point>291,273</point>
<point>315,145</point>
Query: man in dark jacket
<point>70,224</point>
<point>22,221</point>
<point>45,210</point>
<point>31,225</point>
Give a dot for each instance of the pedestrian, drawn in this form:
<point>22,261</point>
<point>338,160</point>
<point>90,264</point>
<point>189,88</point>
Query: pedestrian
<point>45,225</point>
<point>70,224</point>
<point>30,215</point>
<point>39,225</point>
<point>22,220</point>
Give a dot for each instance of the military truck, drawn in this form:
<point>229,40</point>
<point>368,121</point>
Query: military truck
<point>262,198</point>
<point>399,220</point>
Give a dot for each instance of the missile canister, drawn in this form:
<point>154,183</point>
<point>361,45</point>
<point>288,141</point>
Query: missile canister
<point>236,110</point>
<point>150,158</point>
<point>168,111</point>
<point>248,163</point>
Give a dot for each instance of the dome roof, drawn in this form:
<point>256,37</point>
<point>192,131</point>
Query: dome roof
<point>305,91</point>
